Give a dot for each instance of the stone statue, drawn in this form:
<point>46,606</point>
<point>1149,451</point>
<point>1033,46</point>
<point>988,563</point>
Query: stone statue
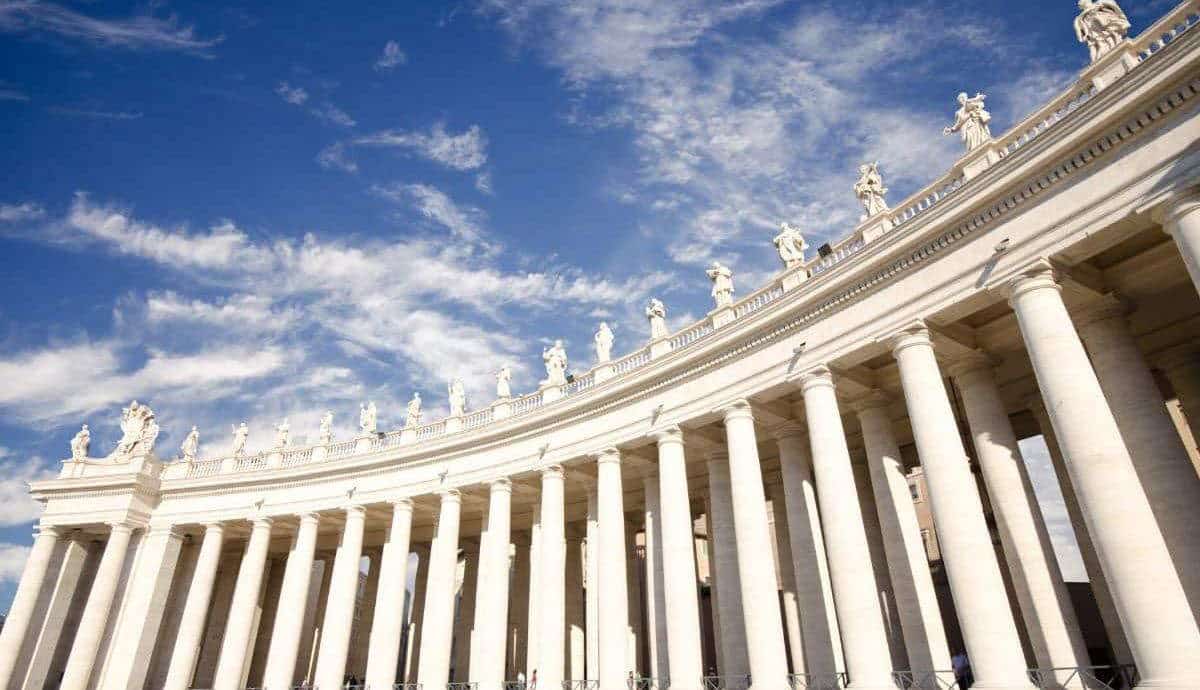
<point>139,430</point>
<point>870,190</point>
<point>239,440</point>
<point>414,411</point>
<point>503,383</point>
<point>1102,25</point>
<point>791,245</point>
<point>367,417</point>
<point>722,280</point>
<point>971,120</point>
<point>603,343</point>
<point>191,445</point>
<point>282,432</point>
<point>458,398</point>
<point>556,364</point>
<point>327,428</point>
<point>656,312</point>
<point>80,444</point>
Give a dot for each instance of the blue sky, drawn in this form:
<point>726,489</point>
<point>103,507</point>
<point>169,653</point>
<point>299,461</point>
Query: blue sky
<point>252,211</point>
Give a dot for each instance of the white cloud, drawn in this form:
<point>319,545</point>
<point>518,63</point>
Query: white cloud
<point>238,312</point>
<point>96,114</point>
<point>464,221</point>
<point>11,94</point>
<point>140,32</point>
<point>334,157</point>
<point>292,94</point>
<point>391,57</point>
<point>16,506</point>
<point>12,213</point>
<point>483,182</point>
<point>465,151</point>
<point>332,114</point>
<point>12,561</point>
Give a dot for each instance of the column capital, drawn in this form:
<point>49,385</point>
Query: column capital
<point>214,528</point>
<point>553,472</point>
<point>450,496</point>
<point>792,429</point>
<point>261,522</point>
<point>311,517</point>
<point>1176,206</point>
<point>911,335</point>
<point>1109,307</point>
<point>667,435</point>
<point>165,531</point>
<point>47,530</point>
<point>120,527</point>
<point>736,409</point>
<point>402,504</point>
<point>501,485</point>
<point>1039,275</point>
<point>608,455</point>
<point>874,400</point>
<point>819,376</point>
<point>357,512</point>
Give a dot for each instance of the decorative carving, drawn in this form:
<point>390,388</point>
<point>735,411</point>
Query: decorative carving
<point>791,245</point>
<point>1102,25</point>
<point>139,430</point>
<point>971,121</point>
<point>504,383</point>
<point>282,434</point>
<point>80,444</point>
<point>458,398</point>
<point>326,428</point>
<point>722,280</point>
<point>367,417</point>
<point>190,447</point>
<point>656,312</point>
<point>555,359</point>
<point>603,343</point>
<point>240,434</point>
<point>414,411</point>
<point>870,190</point>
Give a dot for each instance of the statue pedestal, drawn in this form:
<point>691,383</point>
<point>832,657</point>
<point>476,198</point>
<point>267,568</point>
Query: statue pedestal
<point>979,160</point>
<point>721,316</point>
<point>602,372</point>
<point>502,408</point>
<point>875,227</point>
<point>320,452</point>
<point>794,277</point>
<point>275,458</point>
<point>408,435</point>
<point>550,393</point>
<point>362,444</point>
<point>70,469</point>
<point>659,347</point>
<point>454,424</point>
<point>1111,66</point>
<point>228,464</point>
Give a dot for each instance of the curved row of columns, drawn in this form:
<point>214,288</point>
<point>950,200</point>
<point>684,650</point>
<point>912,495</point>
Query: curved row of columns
<point>1124,468</point>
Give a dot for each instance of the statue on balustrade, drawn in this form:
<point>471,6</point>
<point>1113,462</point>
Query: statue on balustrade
<point>240,434</point>
<point>80,444</point>
<point>282,432</point>
<point>367,417</point>
<point>327,428</point>
<point>191,445</point>
<point>504,383</point>
<point>1102,25</point>
<point>722,280</point>
<point>458,398</point>
<point>414,411</point>
<point>971,121</point>
<point>870,190</point>
<point>656,312</point>
<point>556,364</point>
<point>139,430</point>
<point>791,245</point>
<point>604,343</point>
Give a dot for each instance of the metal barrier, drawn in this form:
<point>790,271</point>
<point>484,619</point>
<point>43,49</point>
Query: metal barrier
<point>581,685</point>
<point>648,683</point>
<point>515,685</point>
<point>1123,677</point>
<point>818,681</point>
<point>462,686</point>
<point>407,686</point>
<point>727,682</point>
<point>925,680</point>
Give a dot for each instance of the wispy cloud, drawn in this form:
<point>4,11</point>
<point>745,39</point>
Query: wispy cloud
<point>292,94</point>
<point>9,93</point>
<point>334,157</point>
<point>334,115</point>
<point>139,32</point>
<point>13,213</point>
<point>465,151</point>
<point>12,561</point>
<point>463,221</point>
<point>96,114</point>
<point>391,57</point>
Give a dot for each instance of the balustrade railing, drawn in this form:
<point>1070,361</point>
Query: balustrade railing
<point>648,684</point>
<point>340,449</point>
<point>515,685</point>
<point>726,682</point>
<point>250,463</point>
<point>462,686</point>
<point>1123,677</point>
<point>477,418</point>
<point>757,300</point>
<point>581,685</point>
<point>527,403</point>
<point>927,197</point>
<point>429,431</point>
<point>300,456</point>
<point>1167,30</point>
<point>628,363</point>
<point>691,335</point>
<point>206,468</point>
<point>926,680</point>
<point>818,681</point>
<point>407,686</point>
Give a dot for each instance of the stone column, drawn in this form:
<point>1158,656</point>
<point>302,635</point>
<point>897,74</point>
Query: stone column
<point>614,614</point>
<point>195,611</point>
<point>20,614</point>
<point>384,653</point>
<point>137,630</point>
<point>293,606</point>
<point>678,558</point>
<point>1181,221</point>
<point>1157,618</point>
<point>552,570</point>
<point>236,643</point>
<point>634,661</point>
<point>760,598</point>
<point>1041,593</point>
<point>989,631</point>
<point>576,652</point>
<point>1159,457</point>
<point>908,566</point>
<point>437,620</point>
<point>491,608</point>
<point>786,571</point>
<point>592,585</point>
<point>814,591</point>
<point>43,640</point>
<point>339,608</point>
<point>534,619</point>
<point>852,576</point>
<point>466,613</point>
<point>416,620</point>
<point>518,611</point>
<point>90,632</point>
<point>356,664</point>
<point>734,652</point>
<point>656,602</point>
<point>1181,366</point>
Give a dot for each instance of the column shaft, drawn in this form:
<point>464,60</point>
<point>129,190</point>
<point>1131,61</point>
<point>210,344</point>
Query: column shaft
<point>786,572</point>
<point>656,624</point>
<point>1182,222</point>
<point>592,584</point>
<point>384,654</point>
<point>576,659</point>
<point>852,577</point>
<point>20,613</point>
<point>1182,369</point>
<point>760,598</point>
<point>614,614</point>
<point>491,609</point>
<point>734,652</point>
<point>293,607</point>
<point>339,609</point>
<point>678,558</point>
<point>463,633</point>
<point>1158,621</point>
<point>552,571</point>
<point>90,632</point>
<point>438,618</point>
<point>416,620</point>
<point>235,646</point>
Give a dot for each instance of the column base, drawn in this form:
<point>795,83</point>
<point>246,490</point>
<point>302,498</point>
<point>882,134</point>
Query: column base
<point>1008,686</point>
